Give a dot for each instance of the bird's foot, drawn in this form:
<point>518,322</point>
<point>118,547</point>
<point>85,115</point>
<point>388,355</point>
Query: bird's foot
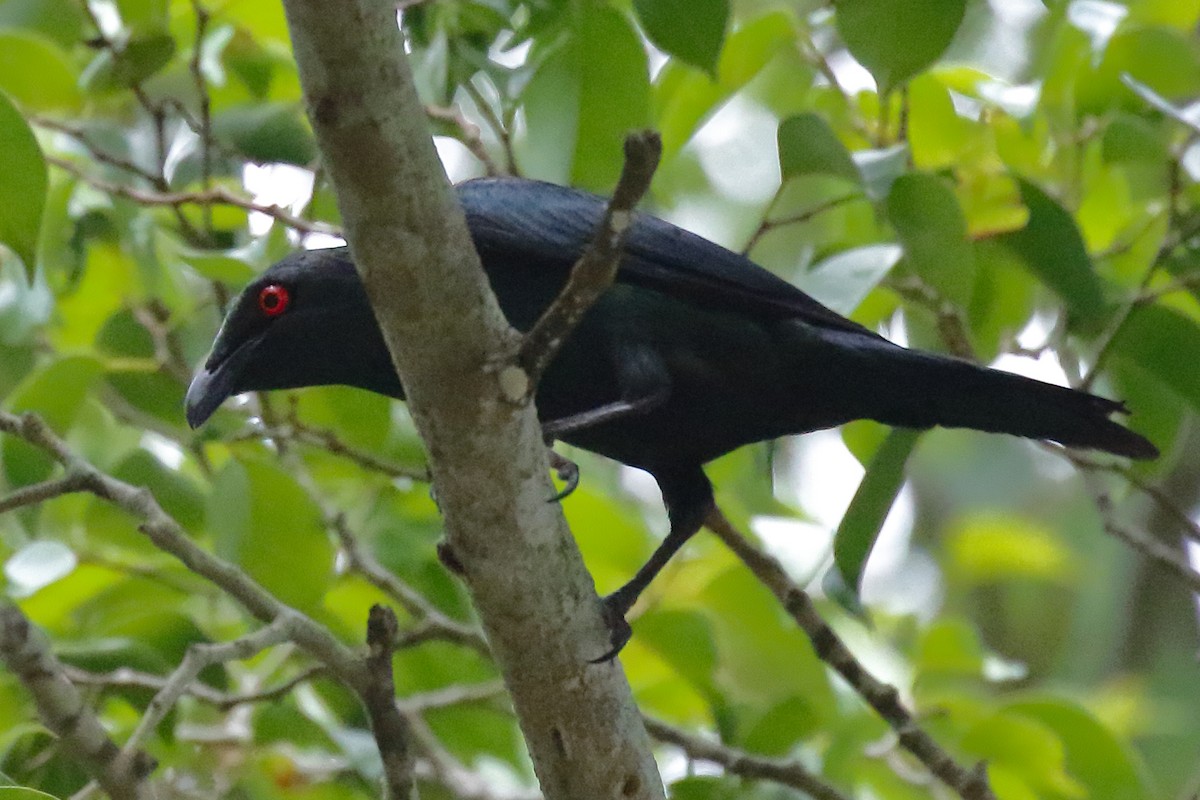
<point>614,607</point>
<point>567,472</point>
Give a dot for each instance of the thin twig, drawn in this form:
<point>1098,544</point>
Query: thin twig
<point>970,784</point>
<point>595,270</point>
<point>951,322</point>
<point>788,772</point>
<point>40,492</point>
<point>468,134</point>
<point>198,658</point>
<point>497,125</point>
<point>26,653</point>
<point>389,726</point>
<point>217,195</point>
<point>767,225</point>
<point>205,121</point>
<point>126,678</point>
<point>432,622</point>
<point>167,534</point>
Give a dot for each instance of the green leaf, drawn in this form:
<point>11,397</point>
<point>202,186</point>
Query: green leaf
<point>1165,62</point>
<point>808,146</point>
<point>950,646</point>
<point>691,30</point>
<point>933,230</point>
<point>939,137</point>
<point>226,266</point>
<point>1160,340</point>
<point>864,518</point>
<point>896,40</point>
<point>1105,766</point>
<point>1027,749</point>
<point>35,72</point>
<point>23,183</point>
<point>843,281</point>
<point>684,640</point>
<point>685,98</point>
<point>57,392</point>
<point>263,521</point>
<point>588,95</point>
<point>267,132</point>
<point>143,15</point>
<point>986,548</point>
<point>1051,247</point>
<point>140,58</point>
<point>759,651</point>
<point>60,20</point>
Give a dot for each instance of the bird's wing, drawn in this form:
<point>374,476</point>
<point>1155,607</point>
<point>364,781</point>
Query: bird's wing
<point>552,224</point>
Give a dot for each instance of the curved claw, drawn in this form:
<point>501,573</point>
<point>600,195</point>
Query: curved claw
<point>619,630</point>
<point>567,471</point>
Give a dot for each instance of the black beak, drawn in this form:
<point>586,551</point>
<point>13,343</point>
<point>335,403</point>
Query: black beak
<point>213,383</point>
<point>203,397</point>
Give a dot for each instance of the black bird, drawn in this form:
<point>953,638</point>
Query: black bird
<point>693,352</point>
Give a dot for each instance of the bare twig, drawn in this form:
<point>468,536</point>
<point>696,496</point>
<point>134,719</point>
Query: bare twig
<point>155,318</point>
<point>216,195</point>
<point>389,726</point>
<point>951,323</point>
<point>595,270</point>
<point>468,134</point>
<point>767,225</point>
<point>205,122</point>
<point>162,529</point>
<point>328,440</point>
<point>27,654</point>
<point>199,657</point>
<point>1160,498</point>
<point>457,695</point>
<point>432,623</point>
<point>1172,558</point>
<point>970,784</point>
<point>40,492</point>
<point>497,125</point>
<point>737,762</point>
<point>125,677</point>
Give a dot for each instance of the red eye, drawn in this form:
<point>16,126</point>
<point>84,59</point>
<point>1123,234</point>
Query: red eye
<point>273,300</point>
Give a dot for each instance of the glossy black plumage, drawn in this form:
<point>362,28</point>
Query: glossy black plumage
<point>693,352</point>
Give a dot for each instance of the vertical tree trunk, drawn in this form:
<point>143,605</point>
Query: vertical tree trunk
<point>448,337</point>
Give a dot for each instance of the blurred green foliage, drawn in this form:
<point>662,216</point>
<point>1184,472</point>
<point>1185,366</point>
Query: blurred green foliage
<point>1026,181</point>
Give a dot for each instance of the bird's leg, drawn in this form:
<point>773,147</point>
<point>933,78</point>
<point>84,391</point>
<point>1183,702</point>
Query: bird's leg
<point>689,502</point>
<point>644,384</point>
<point>645,388</point>
<point>557,428</point>
<point>617,604</point>
<point>566,470</point>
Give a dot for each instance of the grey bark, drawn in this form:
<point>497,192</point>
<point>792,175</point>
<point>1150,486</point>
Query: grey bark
<point>449,342</point>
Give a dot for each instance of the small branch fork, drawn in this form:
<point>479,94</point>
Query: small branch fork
<point>397,724</point>
<point>107,762</point>
<point>596,269</point>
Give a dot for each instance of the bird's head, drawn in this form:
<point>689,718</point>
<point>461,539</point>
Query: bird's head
<point>306,321</point>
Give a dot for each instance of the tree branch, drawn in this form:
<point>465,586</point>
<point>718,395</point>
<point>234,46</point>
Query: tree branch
<point>27,655</point>
<point>595,270</point>
<point>737,762</point>
<point>409,238</point>
<point>388,725</point>
<point>970,784</point>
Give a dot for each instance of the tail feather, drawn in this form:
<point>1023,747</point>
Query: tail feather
<point>931,390</point>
